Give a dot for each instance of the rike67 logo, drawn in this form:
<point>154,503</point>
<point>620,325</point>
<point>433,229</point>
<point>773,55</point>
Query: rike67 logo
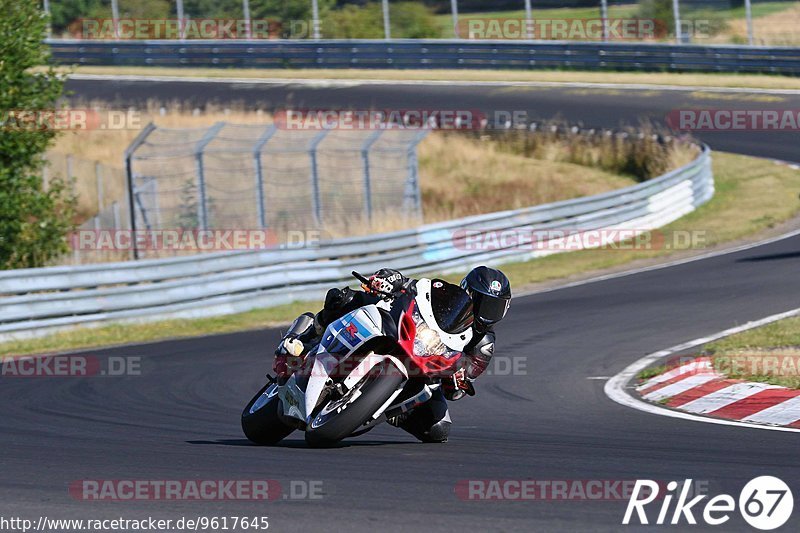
<point>765,503</point>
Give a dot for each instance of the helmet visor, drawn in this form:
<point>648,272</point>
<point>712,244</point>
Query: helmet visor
<point>490,309</point>
<point>452,307</point>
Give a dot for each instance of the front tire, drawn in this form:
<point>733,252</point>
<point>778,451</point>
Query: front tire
<point>340,418</point>
<point>260,421</point>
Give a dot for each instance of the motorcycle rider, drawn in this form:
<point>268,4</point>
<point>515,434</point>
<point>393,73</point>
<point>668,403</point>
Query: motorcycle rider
<point>490,291</point>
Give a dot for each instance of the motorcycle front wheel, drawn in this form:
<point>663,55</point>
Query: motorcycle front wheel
<point>340,418</point>
<point>260,421</point>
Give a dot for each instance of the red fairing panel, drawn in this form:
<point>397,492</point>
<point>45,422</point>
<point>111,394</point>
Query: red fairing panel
<point>442,362</point>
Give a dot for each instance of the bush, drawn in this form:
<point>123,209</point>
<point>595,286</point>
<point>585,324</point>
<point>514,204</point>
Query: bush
<point>33,222</point>
<point>641,154</point>
<point>409,20</point>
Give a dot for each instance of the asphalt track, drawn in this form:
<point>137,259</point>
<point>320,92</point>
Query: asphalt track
<point>546,421</point>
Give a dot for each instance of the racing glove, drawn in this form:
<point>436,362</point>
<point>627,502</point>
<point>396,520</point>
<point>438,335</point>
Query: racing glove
<point>288,357</point>
<point>457,386</point>
<point>386,281</point>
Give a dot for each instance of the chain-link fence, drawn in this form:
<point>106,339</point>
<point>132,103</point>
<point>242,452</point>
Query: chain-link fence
<point>101,198</point>
<point>233,176</point>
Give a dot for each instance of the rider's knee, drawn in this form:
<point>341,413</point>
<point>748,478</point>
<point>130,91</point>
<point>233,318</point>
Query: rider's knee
<point>438,432</point>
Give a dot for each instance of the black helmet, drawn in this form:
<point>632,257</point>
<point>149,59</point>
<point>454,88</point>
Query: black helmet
<point>491,294</point>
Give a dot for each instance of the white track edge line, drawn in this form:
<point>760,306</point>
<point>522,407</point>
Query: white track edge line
<point>616,387</point>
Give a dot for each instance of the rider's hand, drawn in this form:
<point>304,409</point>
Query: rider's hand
<point>386,281</point>
<point>457,386</point>
<point>291,346</point>
<point>288,356</point>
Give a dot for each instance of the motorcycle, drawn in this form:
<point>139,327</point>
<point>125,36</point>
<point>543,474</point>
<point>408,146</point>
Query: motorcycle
<point>372,364</point>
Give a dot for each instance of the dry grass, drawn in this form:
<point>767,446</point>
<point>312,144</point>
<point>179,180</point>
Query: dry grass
<point>464,176</point>
<point>774,29</point>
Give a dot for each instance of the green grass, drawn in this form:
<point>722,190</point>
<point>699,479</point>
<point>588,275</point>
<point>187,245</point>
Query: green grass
<point>651,372</point>
<point>752,195</point>
<point>760,9</point>
<point>115,334</point>
<point>768,354</point>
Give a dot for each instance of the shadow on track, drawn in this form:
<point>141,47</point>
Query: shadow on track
<point>295,443</point>
<point>771,257</point>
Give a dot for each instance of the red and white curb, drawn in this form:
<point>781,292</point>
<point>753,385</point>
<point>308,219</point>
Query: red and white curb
<point>696,387</point>
<point>777,416</point>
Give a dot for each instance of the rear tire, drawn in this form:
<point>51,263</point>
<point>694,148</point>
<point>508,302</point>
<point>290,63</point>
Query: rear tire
<point>376,388</point>
<point>263,425</point>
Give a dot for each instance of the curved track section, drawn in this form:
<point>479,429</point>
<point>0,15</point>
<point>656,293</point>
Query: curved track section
<point>550,420</point>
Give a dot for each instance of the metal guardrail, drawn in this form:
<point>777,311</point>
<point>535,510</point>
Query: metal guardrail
<point>38,301</point>
<point>429,54</point>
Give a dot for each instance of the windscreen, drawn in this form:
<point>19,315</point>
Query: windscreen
<point>452,307</point>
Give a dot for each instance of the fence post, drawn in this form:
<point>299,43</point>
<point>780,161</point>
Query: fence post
<point>179,10</point>
<point>315,194</point>
<point>115,17</point>
<point>528,21</point>
<point>367,180</point>
<point>129,151</point>
<point>202,197</point>
<point>412,194</point>
<point>47,12</point>
<point>246,16</point>
<point>45,173</point>
<point>98,174</point>
<point>70,178</point>
<point>748,8</point>
<point>676,12</point>
<point>315,19</point>
<point>387,30</point>
<point>604,17</point>
<point>115,214</point>
<point>263,140</point>
<point>454,9</point>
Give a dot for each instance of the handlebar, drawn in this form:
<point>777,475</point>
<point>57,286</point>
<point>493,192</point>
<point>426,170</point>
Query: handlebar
<point>366,284</point>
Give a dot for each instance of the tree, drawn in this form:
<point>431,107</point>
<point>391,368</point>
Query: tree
<point>294,16</point>
<point>34,222</point>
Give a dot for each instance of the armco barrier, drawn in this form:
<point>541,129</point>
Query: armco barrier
<point>38,301</point>
<point>429,54</point>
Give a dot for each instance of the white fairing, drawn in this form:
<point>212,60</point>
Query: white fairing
<point>324,364</point>
<point>454,341</point>
<point>369,321</point>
